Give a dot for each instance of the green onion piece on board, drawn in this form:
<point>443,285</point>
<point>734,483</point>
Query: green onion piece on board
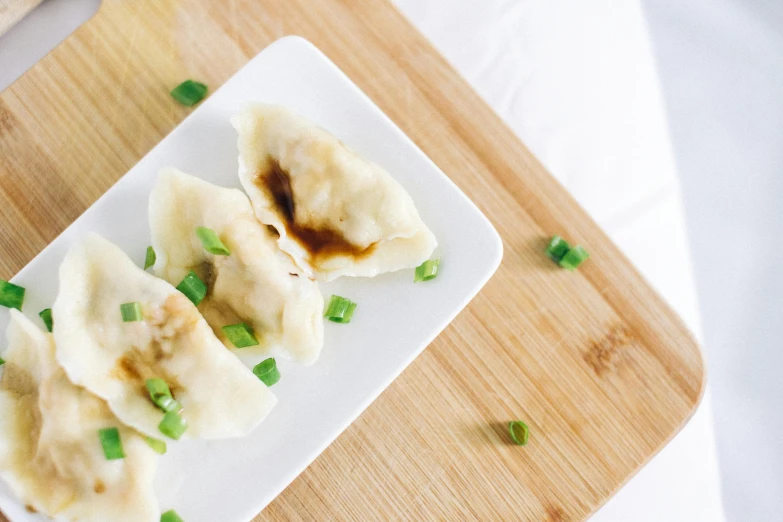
<point>427,270</point>
<point>267,371</point>
<point>193,288</point>
<point>131,312</point>
<point>212,242</point>
<point>170,516</point>
<point>150,258</point>
<point>158,446</point>
<point>11,295</point>
<point>2,361</point>
<point>189,93</point>
<point>340,309</point>
<point>573,258</point>
<point>557,248</point>
<point>46,317</point>
<point>240,335</point>
<point>173,425</point>
<point>519,432</point>
<point>161,395</point>
<point>112,445</point>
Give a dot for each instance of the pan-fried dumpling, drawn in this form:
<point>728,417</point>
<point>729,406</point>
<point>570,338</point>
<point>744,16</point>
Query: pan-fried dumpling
<point>50,453</point>
<point>113,359</point>
<point>255,284</point>
<point>337,214</point>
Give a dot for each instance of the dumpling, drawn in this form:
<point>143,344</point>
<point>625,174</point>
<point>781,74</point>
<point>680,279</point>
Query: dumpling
<point>113,359</point>
<point>50,452</point>
<point>337,214</point>
<point>255,284</point>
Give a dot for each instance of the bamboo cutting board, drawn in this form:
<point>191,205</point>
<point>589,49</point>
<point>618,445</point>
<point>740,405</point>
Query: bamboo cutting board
<point>11,11</point>
<point>600,368</point>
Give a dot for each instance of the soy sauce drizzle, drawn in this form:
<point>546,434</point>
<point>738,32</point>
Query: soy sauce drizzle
<point>320,242</point>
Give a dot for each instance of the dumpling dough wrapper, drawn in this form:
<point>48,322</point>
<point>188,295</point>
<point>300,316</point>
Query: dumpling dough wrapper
<point>50,452</point>
<point>220,396</point>
<point>256,284</point>
<point>337,214</point>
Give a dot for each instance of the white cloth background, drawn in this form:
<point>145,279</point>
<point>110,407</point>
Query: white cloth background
<point>577,82</point>
<point>722,63</point>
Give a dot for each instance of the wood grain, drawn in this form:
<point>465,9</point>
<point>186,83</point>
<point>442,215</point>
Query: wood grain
<point>600,368</point>
<point>11,11</point>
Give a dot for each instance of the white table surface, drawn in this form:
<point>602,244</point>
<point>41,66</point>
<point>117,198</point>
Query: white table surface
<point>577,82</point>
<point>722,62</point>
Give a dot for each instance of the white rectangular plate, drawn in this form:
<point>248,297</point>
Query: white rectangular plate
<point>233,480</point>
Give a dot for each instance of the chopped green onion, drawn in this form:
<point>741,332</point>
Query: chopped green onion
<point>340,309</point>
<point>193,288</point>
<point>427,270</point>
<point>150,258</point>
<point>212,242</point>
<point>158,446</point>
<point>173,425</point>
<point>565,256</point>
<point>557,248</point>
<point>112,445</point>
<point>168,403</point>
<point>2,361</point>
<point>46,317</point>
<point>267,371</point>
<point>240,335</point>
<point>161,395</point>
<point>573,258</point>
<point>170,516</point>
<point>11,295</point>
<point>131,312</point>
<point>189,93</point>
<point>157,386</point>
<point>519,432</point>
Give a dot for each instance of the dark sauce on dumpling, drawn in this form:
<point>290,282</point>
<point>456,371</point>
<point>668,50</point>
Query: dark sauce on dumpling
<point>318,242</point>
<point>139,364</point>
<point>278,183</point>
